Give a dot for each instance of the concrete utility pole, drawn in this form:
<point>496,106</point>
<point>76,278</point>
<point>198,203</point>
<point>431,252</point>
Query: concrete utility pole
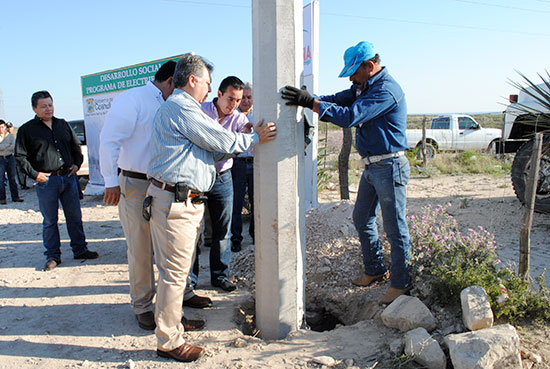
<point>280,222</point>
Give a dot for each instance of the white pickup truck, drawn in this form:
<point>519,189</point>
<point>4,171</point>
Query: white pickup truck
<point>455,132</point>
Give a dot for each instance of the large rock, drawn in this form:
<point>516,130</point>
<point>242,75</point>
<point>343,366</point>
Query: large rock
<point>496,347</point>
<point>476,309</point>
<point>425,350</point>
<point>406,313</point>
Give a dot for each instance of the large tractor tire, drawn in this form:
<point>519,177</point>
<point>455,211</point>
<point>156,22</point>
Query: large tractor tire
<point>431,151</point>
<point>520,173</point>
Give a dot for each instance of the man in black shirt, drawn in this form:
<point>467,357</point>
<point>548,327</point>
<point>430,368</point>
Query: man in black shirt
<point>48,151</point>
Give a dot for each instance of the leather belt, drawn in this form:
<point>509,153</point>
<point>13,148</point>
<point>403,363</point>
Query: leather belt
<point>222,173</point>
<point>247,159</point>
<point>60,172</point>
<point>168,187</point>
<point>129,173</point>
<point>376,158</point>
<point>6,156</point>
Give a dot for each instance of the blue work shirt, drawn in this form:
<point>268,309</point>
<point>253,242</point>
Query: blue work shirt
<point>379,113</point>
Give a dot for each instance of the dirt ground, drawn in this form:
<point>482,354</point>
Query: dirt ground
<point>78,316</point>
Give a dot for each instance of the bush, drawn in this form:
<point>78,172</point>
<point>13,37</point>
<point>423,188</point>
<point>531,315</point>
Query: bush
<point>444,261</point>
<point>465,162</point>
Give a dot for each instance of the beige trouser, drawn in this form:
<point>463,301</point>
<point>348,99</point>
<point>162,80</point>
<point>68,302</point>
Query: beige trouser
<point>138,239</point>
<point>139,245</point>
<point>174,229</point>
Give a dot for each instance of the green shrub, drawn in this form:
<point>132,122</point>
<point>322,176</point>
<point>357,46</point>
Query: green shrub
<point>445,260</point>
<point>465,162</point>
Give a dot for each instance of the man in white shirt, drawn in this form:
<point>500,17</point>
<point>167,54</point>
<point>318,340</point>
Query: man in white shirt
<point>124,147</point>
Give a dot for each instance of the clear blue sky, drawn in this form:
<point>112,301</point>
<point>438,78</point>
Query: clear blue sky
<point>448,55</point>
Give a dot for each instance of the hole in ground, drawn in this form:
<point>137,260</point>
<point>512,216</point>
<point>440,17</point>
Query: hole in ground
<point>321,320</point>
<point>318,319</point>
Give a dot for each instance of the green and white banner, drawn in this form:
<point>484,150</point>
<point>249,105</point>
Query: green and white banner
<point>98,93</point>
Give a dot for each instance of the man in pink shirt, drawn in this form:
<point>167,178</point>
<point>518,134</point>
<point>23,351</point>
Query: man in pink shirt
<point>220,198</point>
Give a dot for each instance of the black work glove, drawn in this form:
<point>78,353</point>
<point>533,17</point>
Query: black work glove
<point>296,96</point>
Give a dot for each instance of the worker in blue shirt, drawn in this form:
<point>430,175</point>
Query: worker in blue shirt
<point>375,105</point>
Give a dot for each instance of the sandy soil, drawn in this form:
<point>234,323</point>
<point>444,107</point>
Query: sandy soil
<point>78,316</point>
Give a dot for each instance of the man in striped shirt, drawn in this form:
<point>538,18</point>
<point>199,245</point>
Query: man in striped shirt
<point>181,168</point>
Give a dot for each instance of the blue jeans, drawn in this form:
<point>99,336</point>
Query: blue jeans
<point>383,185</point>
<point>7,165</point>
<point>220,205</point>
<point>243,180</point>
<point>50,193</point>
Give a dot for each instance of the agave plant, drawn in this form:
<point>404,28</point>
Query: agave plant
<point>535,113</point>
<point>539,113</point>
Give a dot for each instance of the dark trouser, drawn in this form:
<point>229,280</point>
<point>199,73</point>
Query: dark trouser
<point>7,165</point>
<point>220,205</point>
<point>50,193</point>
<point>243,181</point>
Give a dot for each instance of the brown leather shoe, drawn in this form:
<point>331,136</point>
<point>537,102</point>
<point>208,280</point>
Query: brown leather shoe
<point>51,265</point>
<point>366,280</point>
<point>185,352</point>
<point>198,302</point>
<point>146,320</point>
<point>392,294</point>
<point>192,325</point>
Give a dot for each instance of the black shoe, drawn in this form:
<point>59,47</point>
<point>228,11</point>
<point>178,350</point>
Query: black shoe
<point>192,325</point>
<point>198,302</point>
<point>236,246</point>
<point>3,202</point>
<point>18,200</point>
<point>87,255</point>
<point>146,321</point>
<point>51,265</point>
<point>225,285</point>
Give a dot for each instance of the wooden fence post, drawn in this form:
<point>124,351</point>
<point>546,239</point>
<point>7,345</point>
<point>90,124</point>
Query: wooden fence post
<point>424,120</point>
<point>530,196</point>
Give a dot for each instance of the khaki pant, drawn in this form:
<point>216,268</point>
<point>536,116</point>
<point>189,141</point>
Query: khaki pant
<point>139,245</point>
<point>174,230</point>
<point>138,239</point>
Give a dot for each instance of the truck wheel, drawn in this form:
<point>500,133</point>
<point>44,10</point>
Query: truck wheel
<point>520,172</point>
<point>430,151</point>
<point>492,149</point>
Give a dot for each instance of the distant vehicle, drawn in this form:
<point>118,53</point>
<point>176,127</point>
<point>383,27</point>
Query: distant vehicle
<point>452,132</point>
<point>80,130</point>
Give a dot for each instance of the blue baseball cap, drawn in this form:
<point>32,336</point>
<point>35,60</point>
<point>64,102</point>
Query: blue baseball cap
<point>355,55</point>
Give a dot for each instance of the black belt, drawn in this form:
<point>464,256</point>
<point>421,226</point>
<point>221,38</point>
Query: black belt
<point>6,156</point>
<point>247,159</point>
<point>129,173</point>
<point>60,172</point>
<point>170,188</point>
<point>222,173</point>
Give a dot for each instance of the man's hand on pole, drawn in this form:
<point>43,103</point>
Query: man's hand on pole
<point>297,96</point>
<point>267,132</point>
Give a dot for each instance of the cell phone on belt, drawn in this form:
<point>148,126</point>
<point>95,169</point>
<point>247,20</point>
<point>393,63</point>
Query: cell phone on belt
<point>181,192</point>
<point>146,208</point>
